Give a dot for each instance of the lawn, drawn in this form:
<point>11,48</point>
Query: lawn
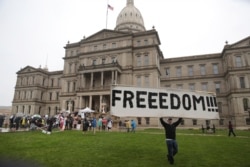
<point>145,148</point>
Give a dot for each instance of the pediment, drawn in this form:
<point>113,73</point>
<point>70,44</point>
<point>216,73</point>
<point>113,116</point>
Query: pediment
<point>104,34</point>
<point>29,69</point>
<point>242,43</point>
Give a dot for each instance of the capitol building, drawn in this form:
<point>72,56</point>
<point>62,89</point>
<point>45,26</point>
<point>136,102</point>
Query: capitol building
<point>131,55</point>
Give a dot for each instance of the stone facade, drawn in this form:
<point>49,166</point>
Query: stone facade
<point>133,57</point>
<point>226,73</point>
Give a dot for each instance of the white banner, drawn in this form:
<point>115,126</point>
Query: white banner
<point>146,102</point>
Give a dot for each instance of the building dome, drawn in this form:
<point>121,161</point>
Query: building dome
<point>130,19</point>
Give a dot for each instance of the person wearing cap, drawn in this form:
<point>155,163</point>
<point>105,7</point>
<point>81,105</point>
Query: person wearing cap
<point>170,133</point>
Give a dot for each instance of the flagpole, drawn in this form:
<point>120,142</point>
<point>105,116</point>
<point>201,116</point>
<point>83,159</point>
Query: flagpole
<point>107,14</point>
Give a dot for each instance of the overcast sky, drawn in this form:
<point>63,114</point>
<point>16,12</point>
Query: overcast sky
<point>34,32</point>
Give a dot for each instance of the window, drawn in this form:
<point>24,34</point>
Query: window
<point>179,86</point>
<point>168,86</point>
<point>194,121</point>
<point>204,86</point>
<point>208,123</point>
<point>242,82</point>
<point>50,96</point>
<point>138,81</point>
<point>238,61</point>
<point>68,87</point>
<point>70,68</point>
<point>221,121</point>
<point>245,104</point>
<point>145,42</point>
<point>138,43</point>
<point>95,47</point>
<point>138,61</point>
<point>191,87</point>
<point>104,46</point>
<point>113,45</point>
<point>248,121</point>
<point>217,87</point>
<point>49,109</point>
<point>215,69</point>
<point>94,62</point>
<point>139,120</point>
<point>43,82</point>
<point>167,72</point>
<point>52,82</point>
<point>190,71</point>
<point>33,80</point>
<point>57,95</point>
<point>202,69</point>
<point>146,81</point>
<point>103,61</point>
<point>74,86</point>
<point>113,59</point>
<point>146,60</point>
<point>147,120</point>
<point>178,71</point>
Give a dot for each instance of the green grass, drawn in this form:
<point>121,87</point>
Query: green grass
<point>144,148</point>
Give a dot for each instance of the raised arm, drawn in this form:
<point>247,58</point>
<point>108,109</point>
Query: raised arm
<point>178,122</point>
<point>162,121</point>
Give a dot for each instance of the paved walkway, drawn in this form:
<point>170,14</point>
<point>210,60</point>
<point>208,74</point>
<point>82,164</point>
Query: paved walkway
<point>8,130</point>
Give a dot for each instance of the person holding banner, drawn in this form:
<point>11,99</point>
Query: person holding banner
<point>170,134</point>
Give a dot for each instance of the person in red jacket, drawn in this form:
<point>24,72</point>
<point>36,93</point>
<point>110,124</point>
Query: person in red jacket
<point>170,134</point>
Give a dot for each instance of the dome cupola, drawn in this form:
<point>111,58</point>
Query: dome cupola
<point>130,19</point>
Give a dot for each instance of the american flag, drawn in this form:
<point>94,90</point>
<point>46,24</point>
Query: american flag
<point>110,7</point>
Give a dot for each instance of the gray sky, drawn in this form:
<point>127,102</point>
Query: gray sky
<point>34,32</point>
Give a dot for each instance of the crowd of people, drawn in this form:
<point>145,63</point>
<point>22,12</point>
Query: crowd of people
<point>129,125</point>
<point>61,121</point>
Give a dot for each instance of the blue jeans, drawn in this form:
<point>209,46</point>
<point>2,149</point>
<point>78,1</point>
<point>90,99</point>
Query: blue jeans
<point>172,147</point>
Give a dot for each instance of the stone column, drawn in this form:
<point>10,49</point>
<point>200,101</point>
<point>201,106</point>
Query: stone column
<point>79,102</point>
<point>100,106</point>
<point>116,76</point>
<point>90,101</point>
<point>91,80</point>
<point>112,78</point>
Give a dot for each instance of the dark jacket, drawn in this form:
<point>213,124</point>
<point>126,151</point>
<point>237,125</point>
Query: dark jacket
<point>85,124</point>
<point>170,130</point>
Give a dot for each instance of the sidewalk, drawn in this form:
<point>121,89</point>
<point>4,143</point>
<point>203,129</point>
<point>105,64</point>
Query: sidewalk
<point>2,130</point>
